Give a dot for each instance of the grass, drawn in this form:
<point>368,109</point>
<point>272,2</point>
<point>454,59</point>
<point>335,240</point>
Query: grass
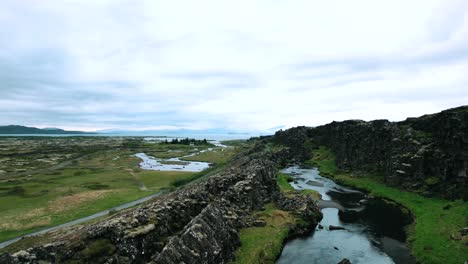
<point>235,142</point>
<point>166,151</point>
<point>429,237</point>
<point>217,156</point>
<point>95,183</point>
<point>202,174</point>
<point>264,244</point>
<point>284,180</point>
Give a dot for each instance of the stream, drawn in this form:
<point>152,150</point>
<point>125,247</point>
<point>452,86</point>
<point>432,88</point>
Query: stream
<point>176,164</point>
<point>361,241</point>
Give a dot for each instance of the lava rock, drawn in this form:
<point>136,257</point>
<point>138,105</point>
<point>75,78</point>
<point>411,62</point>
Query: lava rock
<point>344,261</point>
<point>332,227</point>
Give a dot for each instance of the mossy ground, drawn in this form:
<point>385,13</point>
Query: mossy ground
<point>264,244</point>
<point>430,236</point>
<point>284,180</point>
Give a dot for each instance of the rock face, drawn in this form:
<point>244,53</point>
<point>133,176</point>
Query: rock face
<point>198,224</point>
<point>428,154</point>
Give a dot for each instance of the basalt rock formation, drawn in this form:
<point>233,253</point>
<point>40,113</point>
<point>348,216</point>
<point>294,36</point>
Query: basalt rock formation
<point>428,154</point>
<point>197,224</point>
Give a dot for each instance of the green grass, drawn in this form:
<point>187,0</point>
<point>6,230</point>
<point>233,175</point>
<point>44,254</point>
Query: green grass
<point>284,180</point>
<point>91,183</point>
<point>165,151</point>
<point>95,183</point>
<point>217,156</point>
<point>197,176</point>
<point>429,237</point>
<point>236,142</point>
<point>263,244</point>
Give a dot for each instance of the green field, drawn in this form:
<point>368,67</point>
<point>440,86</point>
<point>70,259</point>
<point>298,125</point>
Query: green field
<point>88,183</point>
<point>430,235</point>
<point>219,155</point>
<point>264,244</point>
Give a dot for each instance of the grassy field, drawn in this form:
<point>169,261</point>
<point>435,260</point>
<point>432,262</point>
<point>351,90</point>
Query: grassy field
<point>87,184</point>
<point>95,183</point>
<point>430,236</point>
<point>217,156</point>
<point>263,244</point>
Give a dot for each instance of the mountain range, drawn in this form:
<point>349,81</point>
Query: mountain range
<point>15,129</point>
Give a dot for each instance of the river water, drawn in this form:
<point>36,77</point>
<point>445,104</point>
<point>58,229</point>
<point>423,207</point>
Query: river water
<point>178,163</point>
<point>359,242</point>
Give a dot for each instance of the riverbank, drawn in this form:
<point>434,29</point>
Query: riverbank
<point>263,243</point>
<point>433,236</point>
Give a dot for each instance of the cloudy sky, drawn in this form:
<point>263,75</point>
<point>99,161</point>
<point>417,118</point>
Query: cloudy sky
<point>240,65</point>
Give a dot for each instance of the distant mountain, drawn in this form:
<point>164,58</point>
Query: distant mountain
<point>12,129</point>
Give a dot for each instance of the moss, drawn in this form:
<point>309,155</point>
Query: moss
<point>430,235</point>
<point>264,244</point>
<point>325,159</point>
<point>98,248</point>
<point>312,194</point>
<point>283,181</point>
<point>431,181</point>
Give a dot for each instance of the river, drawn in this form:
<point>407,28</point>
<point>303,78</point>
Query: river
<point>361,241</point>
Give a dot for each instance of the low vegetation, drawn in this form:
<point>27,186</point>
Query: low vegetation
<point>264,244</point>
<point>433,236</point>
<point>91,175</point>
<point>187,141</point>
<point>216,156</point>
<point>284,180</point>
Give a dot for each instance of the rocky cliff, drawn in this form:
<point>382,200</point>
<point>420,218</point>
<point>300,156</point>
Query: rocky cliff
<point>428,154</point>
<point>198,224</point>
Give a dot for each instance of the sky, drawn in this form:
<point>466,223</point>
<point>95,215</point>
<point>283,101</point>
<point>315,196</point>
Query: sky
<point>236,65</point>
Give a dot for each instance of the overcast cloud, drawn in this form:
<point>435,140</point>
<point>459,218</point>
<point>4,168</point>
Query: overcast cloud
<point>241,65</point>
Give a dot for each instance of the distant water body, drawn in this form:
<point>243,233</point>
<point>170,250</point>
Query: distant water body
<point>225,136</point>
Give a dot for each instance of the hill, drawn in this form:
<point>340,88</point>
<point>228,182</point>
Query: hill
<point>14,129</point>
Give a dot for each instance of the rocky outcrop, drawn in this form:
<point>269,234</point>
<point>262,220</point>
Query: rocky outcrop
<point>298,144</point>
<point>428,154</point>
<point>198,224</point>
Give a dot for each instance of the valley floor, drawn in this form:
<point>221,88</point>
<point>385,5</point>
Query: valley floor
<point>89,175</point>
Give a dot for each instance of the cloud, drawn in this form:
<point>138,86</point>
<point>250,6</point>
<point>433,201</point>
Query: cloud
<point>238,65</point>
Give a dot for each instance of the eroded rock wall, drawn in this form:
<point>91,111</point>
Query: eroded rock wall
<point>428,154</point>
